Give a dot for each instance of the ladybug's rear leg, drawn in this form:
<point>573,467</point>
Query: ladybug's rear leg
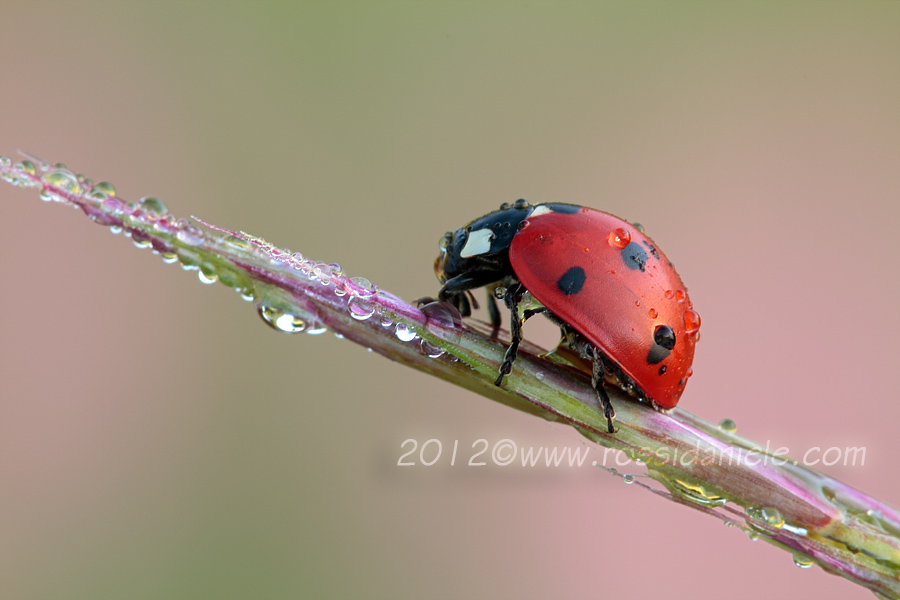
<point>597,381</point>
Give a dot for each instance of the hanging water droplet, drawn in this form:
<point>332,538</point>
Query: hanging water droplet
<point>728,426</point>
<point>316,329</point>
<point>404,333</point>
<point>386,321</point>
<point>628,478</point>
<point>169,257</point>
<point>803,561</point>
<point>140,240</point>
<point>638,226</point>
<point>430,350</point>
<point>247,294</point>
<point>694,492</point>
<point>619,238</point>
<point>115,229</point>
<point>540,376</point>
<point>5,161</point>
<point>691,322</point>
<point>207,274</point>
<point>280,320</point>
<point>360,309</point>
<point>339,291</point>
<point>368,288</point>
<point>499,292</point>
<point>63,180</point>
<point>152,207</point>
<point>336,269</point>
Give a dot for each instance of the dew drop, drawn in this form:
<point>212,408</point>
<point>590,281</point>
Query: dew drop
<point>638,226</point>
<point>669,294</point>
<point>619,238</point>
<point>728,426</point>
<point>439,313</point>
<point>653,313</point>
<point>499,292</point>
<point>680,295</point>
<point>368,288</point>
<point>115,229</point>
<point>404,333</point>
<point>207,275</point>
<point>62,179</point>
<point>430,350</point>
<point>188,233</point>
<point>26,167</point>
<point>235,241</point>
<point>152,207</point>
<point>105,187</point>
<point>169,257</point>
<point>339,291</point>
<point>360,309</point>
<point>768,516</point>
<point>803,561</point>
<point>280,320</point>
<point>247,294</point>
<point>691,322</point>
<point>386,321</point>
<point>140,240</point>
<point>316,329</point>
<point>5,161</point>
<point>628,478</point>
<point>540,376</point>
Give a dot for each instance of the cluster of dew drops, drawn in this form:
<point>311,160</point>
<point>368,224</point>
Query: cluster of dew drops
<point>105,208</point>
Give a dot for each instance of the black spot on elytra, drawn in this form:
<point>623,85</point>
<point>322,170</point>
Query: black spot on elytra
<point>652,250</point>
<point>664,336</point>
<point>572,281</point>
<point>662,370</point>
<point>663,342</point>
<point>566,209</point>
<point>634,257</point>
<point>657,354</point>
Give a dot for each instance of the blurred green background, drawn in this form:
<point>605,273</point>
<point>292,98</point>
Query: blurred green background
<point>158,441</point>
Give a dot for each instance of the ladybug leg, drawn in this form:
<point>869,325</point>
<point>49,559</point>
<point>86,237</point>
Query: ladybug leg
<point>493,312</point>
<point>511,299</point>
<point>597,381</point>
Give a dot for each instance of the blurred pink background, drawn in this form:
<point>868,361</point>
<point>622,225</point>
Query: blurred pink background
<point>158,441</point>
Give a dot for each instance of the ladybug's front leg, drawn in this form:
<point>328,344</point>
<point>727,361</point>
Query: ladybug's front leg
<point>597,381</point>
<point>512,298</point>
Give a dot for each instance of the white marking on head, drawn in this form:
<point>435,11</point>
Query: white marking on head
<point>479,242</point>
<point>543,209</point>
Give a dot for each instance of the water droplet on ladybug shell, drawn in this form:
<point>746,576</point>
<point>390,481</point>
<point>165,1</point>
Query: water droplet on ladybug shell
<point>653,313</point>
<point>619,238</point>
<point>691,321</point>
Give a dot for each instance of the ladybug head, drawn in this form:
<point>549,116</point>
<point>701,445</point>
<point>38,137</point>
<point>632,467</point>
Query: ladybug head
<point>477,254</point>
<point>482,245</point>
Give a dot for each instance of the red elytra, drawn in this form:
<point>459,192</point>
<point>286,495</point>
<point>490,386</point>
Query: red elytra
<point>615,296</point>
<point>628,290</point>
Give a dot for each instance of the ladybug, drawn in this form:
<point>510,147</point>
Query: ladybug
<point>614,295</point>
